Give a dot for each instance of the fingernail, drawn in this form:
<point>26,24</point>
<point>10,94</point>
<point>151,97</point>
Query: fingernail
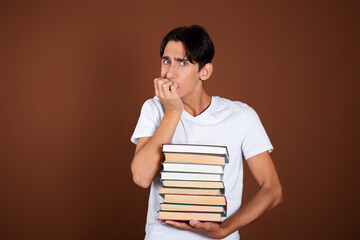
<point>192,222</point>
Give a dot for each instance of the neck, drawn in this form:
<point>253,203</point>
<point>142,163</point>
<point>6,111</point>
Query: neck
<point>197,102</point>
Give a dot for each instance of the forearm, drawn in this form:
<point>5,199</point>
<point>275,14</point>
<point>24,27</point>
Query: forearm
<point>264,200</point>
<point>147,160</point>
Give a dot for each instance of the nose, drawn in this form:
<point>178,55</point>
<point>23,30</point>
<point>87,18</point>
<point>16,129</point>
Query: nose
<point>170,73</point>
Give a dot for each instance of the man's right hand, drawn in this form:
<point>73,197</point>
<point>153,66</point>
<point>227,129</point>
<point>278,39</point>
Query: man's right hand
<point>146,163</point>
<point>165,90</point>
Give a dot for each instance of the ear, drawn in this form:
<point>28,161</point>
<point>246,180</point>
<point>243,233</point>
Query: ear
<point>206,71</point>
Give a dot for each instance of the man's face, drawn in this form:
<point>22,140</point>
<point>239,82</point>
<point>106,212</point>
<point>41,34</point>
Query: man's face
<point>176,67</point>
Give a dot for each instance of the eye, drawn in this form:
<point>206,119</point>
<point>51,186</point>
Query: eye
<point>166,62</point>
<point>183,63</point>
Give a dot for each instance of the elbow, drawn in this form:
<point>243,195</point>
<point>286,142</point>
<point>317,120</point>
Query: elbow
<point>141,181</point>
<point>279,197</point>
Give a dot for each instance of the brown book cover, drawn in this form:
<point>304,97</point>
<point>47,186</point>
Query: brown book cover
<point>190,191</point>
<point>193,184</point>
<point>187,216</point>
<point>195,158</point>
<point>192,208</point>
<point>195,199</point>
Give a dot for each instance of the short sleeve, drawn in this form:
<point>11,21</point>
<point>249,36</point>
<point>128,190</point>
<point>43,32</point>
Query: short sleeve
<point>256,140</point>
<point>147,123</point>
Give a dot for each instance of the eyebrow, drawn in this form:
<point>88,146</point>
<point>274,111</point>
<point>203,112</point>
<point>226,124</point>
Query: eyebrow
<point>176,59</point>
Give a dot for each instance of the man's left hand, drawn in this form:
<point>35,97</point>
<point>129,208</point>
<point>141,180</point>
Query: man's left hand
<point>208,229</point>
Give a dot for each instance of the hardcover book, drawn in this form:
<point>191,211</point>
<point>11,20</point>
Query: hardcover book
<point>187,216</point>
<point>190,176</point>
<point>195,199</point>
<point>197,149</point>
<point>195,158</point>
<point>193,184</point>
<point>190,191</point>
<point>194,148</point>
<point>191,167</point>
<point>192,208</point>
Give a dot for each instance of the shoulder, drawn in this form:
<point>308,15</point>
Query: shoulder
<point>153,109</point>
<point>153,104</point>
<point>234,107</point>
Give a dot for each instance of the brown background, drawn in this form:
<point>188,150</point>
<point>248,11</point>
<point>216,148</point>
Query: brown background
<point>74,77</point>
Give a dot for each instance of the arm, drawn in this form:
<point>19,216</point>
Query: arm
<point>146,162</point>
<point>268,196</point>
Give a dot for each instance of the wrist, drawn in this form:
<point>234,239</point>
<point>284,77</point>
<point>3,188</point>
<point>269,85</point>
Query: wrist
<point>225,230</point>
<point>173,113</point>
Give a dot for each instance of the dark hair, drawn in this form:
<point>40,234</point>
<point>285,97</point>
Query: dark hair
<point>197,42</point>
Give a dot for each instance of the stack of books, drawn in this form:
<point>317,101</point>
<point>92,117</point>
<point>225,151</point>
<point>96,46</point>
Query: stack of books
<point>192,182</point>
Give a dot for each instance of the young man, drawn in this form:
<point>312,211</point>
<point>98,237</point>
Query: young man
<point>183,112</point>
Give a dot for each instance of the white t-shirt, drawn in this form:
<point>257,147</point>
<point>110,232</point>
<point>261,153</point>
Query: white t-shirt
<point>224,123</point>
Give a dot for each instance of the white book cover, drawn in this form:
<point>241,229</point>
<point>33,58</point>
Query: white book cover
<point>190,176</point>
<point>197,149</point>
<point>191,167</point>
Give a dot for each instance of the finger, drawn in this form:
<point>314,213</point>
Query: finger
<point>166,88</point>
<point>156,86</point>
<point>201,225</point>
<point>159,84</point>
<point>179,225</point>
<point>175,84</point>
<point>173,88</point>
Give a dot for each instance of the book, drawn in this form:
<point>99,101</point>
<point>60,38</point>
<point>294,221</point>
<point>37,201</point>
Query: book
<point>187,216</point>
<point>192,148</point>
<point>190,191</point>
<point>193,184</point>
<point>192,208</point>
<point>190,176</point>
<point>191,167</point>
<point>195,199</point>
<point>195,158</point>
